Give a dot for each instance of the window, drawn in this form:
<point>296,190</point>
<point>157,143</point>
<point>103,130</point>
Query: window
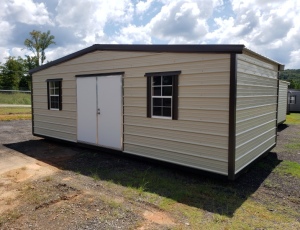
<point>54,94</point>
<point>162,94</point>
<point>292,100</point>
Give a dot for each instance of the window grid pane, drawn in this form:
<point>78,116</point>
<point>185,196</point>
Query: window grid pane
<point>54,102</point>
<point>54,88</point>
<point>162,91</point>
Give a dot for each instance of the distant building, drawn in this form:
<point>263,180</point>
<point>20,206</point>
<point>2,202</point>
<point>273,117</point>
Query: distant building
<point>294,100</point>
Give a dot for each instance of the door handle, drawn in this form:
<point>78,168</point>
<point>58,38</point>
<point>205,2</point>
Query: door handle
<point>98,111</point>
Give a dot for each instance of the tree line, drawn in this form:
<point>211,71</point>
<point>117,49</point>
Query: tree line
<point>14,72</point>
<point>292,76</point>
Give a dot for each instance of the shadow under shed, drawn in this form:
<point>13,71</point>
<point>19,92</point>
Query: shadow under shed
<point>191,187</point>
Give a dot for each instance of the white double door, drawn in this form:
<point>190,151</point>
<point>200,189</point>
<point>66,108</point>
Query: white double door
<point>99,111</point>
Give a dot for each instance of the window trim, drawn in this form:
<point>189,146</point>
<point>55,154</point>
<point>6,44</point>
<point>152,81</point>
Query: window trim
<point>59,80</point>
<point>174,111</point>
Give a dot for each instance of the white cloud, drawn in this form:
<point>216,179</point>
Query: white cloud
<point>17,51</point>
<point>142,6</point>
<point>4,53</point>
<point>6,31</point>
<point>269,27</point>
<point>88,18</point>
<point>53,54</point>
<point>180,21</point>
<point>295,60</point>
<point>27,12</point>
<point>133,34</point>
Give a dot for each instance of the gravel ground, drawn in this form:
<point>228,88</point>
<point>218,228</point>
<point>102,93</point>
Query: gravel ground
<point>61,190</point>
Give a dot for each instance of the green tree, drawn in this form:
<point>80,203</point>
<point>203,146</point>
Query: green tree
<point>38,43</point>
<point>291,75</point>
<point>11,73</point>
<point>28,63</point>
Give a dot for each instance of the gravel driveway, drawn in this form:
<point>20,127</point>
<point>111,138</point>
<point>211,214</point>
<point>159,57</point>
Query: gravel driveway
<point>13,132</point>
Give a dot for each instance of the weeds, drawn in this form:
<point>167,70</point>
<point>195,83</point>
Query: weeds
<point>15,98</point>
<point>95,175</point>
<point>13,113</point>
<point>48,179</point>
<point>32,195</point>
<point>288,167</point>
<point>9,216</point>
<point>219,218</point>
<point>293,146</point>
<point>293,119</point>
<point>166,203</point>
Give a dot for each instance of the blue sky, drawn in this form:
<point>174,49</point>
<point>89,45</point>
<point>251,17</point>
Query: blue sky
<point>269,27</point>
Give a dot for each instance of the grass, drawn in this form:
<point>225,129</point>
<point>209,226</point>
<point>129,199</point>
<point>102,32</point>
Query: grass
<point>172,187</point>
<point>15,98</point>
<point>14,113</point>
<point>290,168</point>
<point>200,203</point>
<point>293,146</point>
<point>9,216</point>
<point>293,119</point>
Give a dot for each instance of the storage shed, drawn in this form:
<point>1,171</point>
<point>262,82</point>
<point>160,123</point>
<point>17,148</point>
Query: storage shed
<point>209,107</point>
<point>294,100</point>
<point>282,101</point>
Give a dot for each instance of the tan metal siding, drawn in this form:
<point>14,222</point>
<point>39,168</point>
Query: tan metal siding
<point>256,108</point>
<point>214,140</point>
<point>282,101</point>
<point>52,123</point>
<point>173,156</point>
<point>189,126</point>
<point>203,104</point>
<point>63,135</point>
<point>252,154</point>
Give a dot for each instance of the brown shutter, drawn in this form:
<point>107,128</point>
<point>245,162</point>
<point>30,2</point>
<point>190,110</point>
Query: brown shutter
<point>175,98</point>
<point>60,95</point>
<point>148,96</point>
<point>48,95</point>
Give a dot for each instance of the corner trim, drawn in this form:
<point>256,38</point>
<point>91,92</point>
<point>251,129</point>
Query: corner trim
<point>100,74</point>
<point>232,116</point>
